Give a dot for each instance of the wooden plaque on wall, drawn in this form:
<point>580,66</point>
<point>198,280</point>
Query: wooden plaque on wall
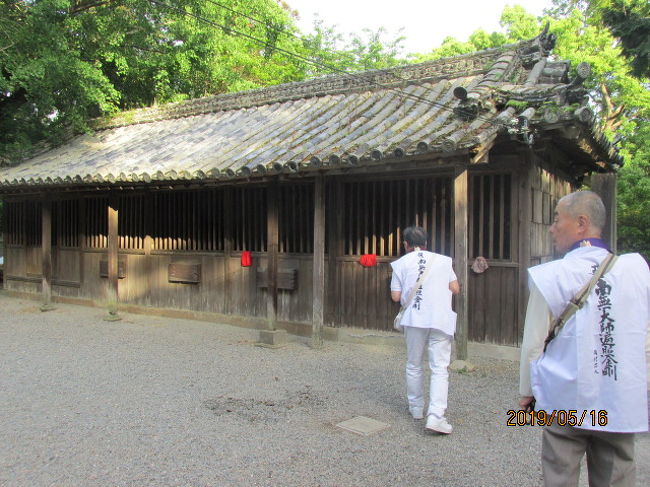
<point>184,273</point>
<point>287,279</point>
<point>121,268</point>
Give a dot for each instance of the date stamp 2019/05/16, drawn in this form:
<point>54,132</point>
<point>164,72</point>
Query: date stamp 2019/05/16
<point>561,417</point>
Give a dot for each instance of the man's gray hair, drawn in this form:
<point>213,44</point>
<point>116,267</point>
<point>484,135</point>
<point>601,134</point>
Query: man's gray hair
<point>415,236</point>
<point>586,203</point>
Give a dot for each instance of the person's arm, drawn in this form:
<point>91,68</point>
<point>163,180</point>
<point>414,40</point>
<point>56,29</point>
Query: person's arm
<point>536,328</point>
<point>454,287</point>
<point>395,286</point>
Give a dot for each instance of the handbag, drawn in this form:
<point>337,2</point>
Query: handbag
<point>397,321</point>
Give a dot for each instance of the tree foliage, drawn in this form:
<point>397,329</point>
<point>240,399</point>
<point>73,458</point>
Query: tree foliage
<point>621,100</point>
<point>63,62</point>
<point>329,48</point>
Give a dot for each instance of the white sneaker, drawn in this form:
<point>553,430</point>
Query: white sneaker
<point>416,413</point>
<point>438,425</point>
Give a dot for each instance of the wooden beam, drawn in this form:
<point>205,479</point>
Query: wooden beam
<point>272,245</point>
<point>46,245</point>
<point>113,241</point>
<point>461,230</point>
<point>318,287</point>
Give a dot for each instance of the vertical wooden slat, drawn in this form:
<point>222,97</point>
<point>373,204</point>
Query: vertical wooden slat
<point>358,229</point>
<point>502,216</point>
<point>149,223</point>
<point>392,226</point>
<point>491,224</point>
<point>481,218</point>
<point>295,239</point>
<point>349,212</point>
<point>46,242</point>
<point>398,217</point>
<point>228,210</point>
<point>272,256</point>
<point>318,283</point>
<point>113,222</point>
<point>460,259</point>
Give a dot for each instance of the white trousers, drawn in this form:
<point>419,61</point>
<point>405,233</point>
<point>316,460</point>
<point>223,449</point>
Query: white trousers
<point>438,346</point>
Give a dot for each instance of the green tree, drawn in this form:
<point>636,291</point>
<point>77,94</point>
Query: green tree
<point>621,100</point>
<point>629,21</point>
<point>331,51</point>
<point>63,62</point>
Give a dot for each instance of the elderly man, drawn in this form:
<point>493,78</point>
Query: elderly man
<point>423,282</point>
<point>589,380</point>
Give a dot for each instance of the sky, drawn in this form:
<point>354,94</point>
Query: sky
<point>426,22</point>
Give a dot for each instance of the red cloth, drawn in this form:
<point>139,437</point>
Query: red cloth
<point>368,260</point>
<point>246,259</point>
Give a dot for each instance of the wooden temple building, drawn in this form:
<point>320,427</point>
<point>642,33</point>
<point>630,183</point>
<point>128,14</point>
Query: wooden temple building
<point>261,205</point>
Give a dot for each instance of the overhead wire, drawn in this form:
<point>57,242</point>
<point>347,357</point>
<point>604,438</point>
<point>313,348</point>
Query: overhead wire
<point>231,31</point>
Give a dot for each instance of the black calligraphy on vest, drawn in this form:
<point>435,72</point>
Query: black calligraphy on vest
<point>607,324</point>
<point>422,265</point>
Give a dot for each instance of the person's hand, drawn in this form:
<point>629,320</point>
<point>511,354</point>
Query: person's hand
<point>525,402</point>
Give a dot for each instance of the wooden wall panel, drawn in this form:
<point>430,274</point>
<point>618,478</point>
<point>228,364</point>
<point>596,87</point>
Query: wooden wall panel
<point>493,313</point>
<point>34,259</point>
<point>364,296</point>
<point>296,305</point>
<point>66,265</point>
<point>15,262</point>
<point>93,287</point>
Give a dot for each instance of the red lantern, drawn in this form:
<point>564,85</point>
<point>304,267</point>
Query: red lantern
<point>246,258</point>
<point>368,260</point>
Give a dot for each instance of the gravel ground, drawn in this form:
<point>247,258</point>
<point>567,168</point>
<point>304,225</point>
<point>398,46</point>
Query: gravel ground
<point>151,401</point>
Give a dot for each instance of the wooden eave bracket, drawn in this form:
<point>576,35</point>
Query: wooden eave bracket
<point>481,153</point>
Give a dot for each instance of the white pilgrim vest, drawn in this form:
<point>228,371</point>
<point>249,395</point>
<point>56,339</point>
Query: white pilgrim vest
<point>597,362</point>
<point>431,308</point>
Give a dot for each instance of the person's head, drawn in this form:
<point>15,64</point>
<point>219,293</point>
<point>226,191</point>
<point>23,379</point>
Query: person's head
<point>414,237</point>
<point>578,216</point>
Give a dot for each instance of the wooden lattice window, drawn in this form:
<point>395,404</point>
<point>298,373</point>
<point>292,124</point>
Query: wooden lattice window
<point>377,212</point>
<point>490,210</point>
<point>65,223</point>
<point>33,223</point>
<point>14,220</point>
<point>249,219</point>
<point>97,223</point>
<point>131,222</point>
<point>190,221</point>
<point>296,218</point>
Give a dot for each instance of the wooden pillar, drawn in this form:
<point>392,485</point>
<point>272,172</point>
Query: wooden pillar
<point>334,217</point>
<point>272,246</point>
<point>318,287</point>
<point>46,245</point>
<point>113,244</point>
<point>523,239</point>
<point>604,185</point>
<point>461,230</point>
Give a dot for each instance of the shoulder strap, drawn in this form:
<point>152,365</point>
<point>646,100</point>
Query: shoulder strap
<point>420,279</point>
<point>579,300</point>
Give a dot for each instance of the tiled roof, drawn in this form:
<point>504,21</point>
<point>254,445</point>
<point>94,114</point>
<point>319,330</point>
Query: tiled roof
<point>449,105</point>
